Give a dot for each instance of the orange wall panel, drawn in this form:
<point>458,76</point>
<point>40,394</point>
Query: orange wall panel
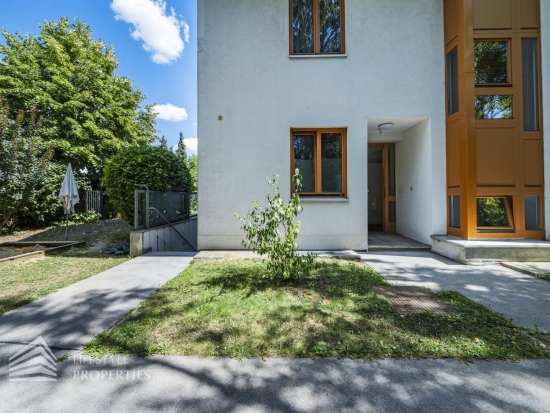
<point>451,20</point>
<point>532,161</point>
<point>495,156</point>
<point>453,154</point>
<point>492,14</point>
<point>529,18</point>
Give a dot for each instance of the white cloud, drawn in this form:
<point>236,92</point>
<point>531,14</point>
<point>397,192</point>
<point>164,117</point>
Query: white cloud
<point>160,32</point>
<point>170,112</point>
<point>191,145</point>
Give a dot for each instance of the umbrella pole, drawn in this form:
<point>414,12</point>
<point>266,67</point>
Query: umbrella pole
<point>67,228</point>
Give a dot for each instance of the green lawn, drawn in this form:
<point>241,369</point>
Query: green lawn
<point>543,276</point>
<point>225,308</point>
<point>25,282</point>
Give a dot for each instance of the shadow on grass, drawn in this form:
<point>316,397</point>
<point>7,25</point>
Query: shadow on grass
<point>104,232</point>
<point>227,309</point>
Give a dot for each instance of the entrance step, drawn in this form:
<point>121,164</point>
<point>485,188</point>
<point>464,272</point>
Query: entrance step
<point>392,242</point>
<point>479,252</point>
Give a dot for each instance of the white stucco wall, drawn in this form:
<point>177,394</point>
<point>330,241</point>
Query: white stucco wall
<point>414,181</point>
<point>545,64</point>
<point>394,68</point>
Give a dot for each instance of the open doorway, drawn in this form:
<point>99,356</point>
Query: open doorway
<point>381,181</point>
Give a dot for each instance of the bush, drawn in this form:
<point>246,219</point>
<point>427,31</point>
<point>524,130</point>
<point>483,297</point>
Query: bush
<point>80,218</point>
<point>263,233</point>
<point>158,168</point>
<point>42,207</point>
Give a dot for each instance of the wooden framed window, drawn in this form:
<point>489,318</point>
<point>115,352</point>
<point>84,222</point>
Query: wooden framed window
<point>320,156</point>
<point>317,27</point>
<point>494,213</point>
<point>492,63</point>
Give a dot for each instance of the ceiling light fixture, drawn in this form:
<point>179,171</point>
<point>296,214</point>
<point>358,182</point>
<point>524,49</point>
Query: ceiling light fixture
<point>385,126</point>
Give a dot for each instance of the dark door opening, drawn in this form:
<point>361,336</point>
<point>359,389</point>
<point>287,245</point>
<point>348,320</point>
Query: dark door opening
<point>381,186</point>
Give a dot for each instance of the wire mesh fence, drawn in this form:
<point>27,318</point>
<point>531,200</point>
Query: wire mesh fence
<point>153,209</point>
<point>94,201</point>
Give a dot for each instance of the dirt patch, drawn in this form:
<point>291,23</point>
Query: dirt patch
<point>414,300</point>
<point>8,251</point>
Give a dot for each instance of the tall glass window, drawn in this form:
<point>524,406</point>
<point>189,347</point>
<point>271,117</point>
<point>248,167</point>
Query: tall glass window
<point>530,77</point>
<point>452,81</point>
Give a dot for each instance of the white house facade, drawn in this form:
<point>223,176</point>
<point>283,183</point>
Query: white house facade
<point>312,84</point>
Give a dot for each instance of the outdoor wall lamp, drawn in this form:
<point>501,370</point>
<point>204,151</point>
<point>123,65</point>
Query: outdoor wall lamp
<point>385,126</point>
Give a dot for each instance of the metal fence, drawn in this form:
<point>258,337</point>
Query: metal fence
<point>153,209</point>
<point>94,201</point>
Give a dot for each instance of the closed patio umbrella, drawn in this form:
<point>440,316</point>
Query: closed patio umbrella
<point>69,195</point>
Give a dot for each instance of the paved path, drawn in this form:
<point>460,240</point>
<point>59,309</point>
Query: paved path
<point>185,384</point>
<point>74,315</point>
<point>515,295</point>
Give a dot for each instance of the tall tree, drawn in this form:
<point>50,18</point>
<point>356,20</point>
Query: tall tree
<point>182,149</point>
<point>163,142</point>
<point>23,163</point>
<point>90,114</point>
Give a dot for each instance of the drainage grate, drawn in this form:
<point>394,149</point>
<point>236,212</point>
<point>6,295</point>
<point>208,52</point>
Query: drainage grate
<point>414,300</point>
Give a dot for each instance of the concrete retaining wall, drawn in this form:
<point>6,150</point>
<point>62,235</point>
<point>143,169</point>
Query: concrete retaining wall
<point>165,238</point>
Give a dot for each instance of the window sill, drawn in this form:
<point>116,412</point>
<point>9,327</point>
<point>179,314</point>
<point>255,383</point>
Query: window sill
<point>318,56</point>
<point>322,199</point>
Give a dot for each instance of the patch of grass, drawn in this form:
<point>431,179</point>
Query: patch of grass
<point>225,308</point>
<point>543,276</point>
<point>23,283</point>
<point>108,232</point>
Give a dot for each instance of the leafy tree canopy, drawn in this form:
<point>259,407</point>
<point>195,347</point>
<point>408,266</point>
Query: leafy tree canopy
<point>160,169</point>
<point>89,113</point>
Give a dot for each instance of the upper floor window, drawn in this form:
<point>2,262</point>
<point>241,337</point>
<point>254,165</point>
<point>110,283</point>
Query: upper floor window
<point>491,62</point>
<point>317,26</point>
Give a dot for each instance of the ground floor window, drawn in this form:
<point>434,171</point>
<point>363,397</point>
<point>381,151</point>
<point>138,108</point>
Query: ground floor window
<point>494,213</point>
<point>320,157</point>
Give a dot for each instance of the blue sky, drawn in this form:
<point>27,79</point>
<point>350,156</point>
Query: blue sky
<point>166,73</point>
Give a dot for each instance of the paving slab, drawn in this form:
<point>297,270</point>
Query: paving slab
<point>74,315</point>
<point>240,254</point>
<point>531,268</point>
<point>186,384</point>
<point>513,294</point>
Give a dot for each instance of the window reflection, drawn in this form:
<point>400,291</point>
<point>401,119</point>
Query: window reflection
<point>491,62</point>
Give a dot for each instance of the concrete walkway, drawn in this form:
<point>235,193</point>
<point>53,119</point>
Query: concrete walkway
<point>185,384</point>
<point>74,315</point>
<point>503,290</point>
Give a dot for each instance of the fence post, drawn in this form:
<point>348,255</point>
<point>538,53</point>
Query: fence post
<point>147,208</point>
<point>136,207</point>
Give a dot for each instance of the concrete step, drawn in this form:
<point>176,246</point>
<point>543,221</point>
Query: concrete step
<point>238,254</point>
<point>397,248</point>
<point>480,252</point>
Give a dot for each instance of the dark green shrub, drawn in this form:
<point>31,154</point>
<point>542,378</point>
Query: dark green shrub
<point>158,168</point>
